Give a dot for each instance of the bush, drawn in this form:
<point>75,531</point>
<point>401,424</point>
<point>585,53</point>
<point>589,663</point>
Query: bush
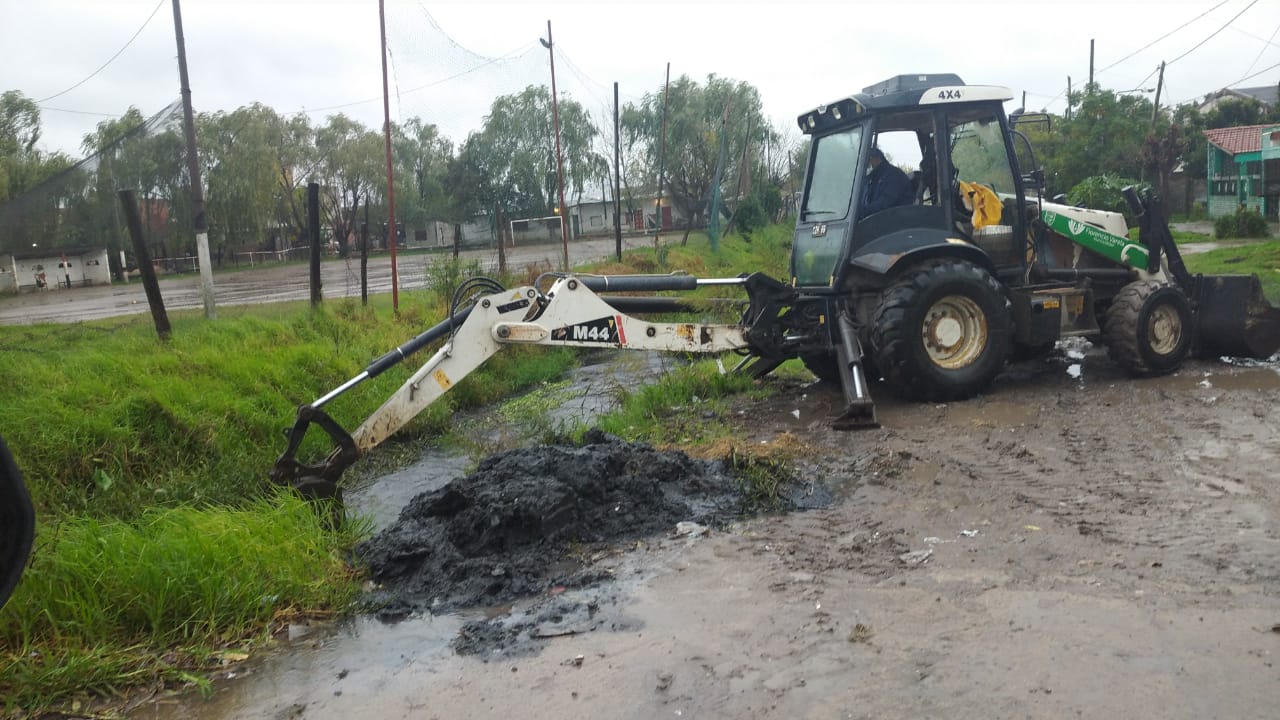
<point>1243,223</point>
<point>1103,192</point>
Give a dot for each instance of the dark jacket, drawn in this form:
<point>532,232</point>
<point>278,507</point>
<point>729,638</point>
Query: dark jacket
<point>887,187</point>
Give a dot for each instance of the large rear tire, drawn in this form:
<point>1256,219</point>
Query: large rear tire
<point>941,332</point>
<point>1149,328</point>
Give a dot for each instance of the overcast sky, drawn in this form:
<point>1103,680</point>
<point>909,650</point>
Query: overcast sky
<point>451,59</point>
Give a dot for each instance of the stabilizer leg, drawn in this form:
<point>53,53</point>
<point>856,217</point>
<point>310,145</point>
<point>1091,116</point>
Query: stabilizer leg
<point>860,409</point>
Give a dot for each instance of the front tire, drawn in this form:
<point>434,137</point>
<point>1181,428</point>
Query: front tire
<point>941,332</point>
<point>1149,328</point>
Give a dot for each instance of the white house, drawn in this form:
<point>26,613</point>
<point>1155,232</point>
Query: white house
<point>590,216</point>
<point>54,270</point>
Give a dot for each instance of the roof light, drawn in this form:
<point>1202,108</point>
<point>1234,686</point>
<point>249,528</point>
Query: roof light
<point>812,122</point>
<point>835,112</point>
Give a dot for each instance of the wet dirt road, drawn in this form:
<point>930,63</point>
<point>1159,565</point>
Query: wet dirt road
<point>278,283</point>
<point>1072,544</point>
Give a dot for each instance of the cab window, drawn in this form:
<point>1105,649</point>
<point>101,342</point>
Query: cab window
<point>978,151</point>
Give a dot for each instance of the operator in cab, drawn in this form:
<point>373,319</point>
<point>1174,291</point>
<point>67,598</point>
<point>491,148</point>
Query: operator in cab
<point>887,186</point>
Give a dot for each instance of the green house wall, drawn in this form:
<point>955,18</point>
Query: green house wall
<point>1243,179</point>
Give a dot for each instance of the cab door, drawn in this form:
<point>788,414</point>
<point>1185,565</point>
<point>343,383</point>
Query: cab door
<point>990,203</point>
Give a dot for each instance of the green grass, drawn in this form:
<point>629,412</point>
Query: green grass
<point>1179,236</point>
<point>114,420</point>
<point>110,603</point>
<point>1261,259</point>
<point>159,538</point>
<point>160,543</point>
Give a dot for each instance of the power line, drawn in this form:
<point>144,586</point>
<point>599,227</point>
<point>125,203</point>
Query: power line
<point>1250,77</point>
<point>111,59</point>
<point>80,112</point>
<point>1256,37</point>
<point>1211,35</point>
<point>1263,50</point>
<point>1162,37</point>
<point>1237,82</point>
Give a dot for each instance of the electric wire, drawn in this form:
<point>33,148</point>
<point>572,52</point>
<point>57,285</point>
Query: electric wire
<point>1212,34</point>
<point>1162,37</point>
<point>110,60</point>
<point>80,112</point>
<point>1263,50</point>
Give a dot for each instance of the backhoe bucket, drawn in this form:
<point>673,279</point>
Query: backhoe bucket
<point>1235,319</point>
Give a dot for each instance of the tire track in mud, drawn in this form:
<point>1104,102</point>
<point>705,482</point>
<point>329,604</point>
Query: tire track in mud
<point>1158,472</point>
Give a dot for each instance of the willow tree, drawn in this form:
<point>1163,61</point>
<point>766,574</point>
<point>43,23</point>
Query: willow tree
<point>515,152</point>
<point>698,117</point>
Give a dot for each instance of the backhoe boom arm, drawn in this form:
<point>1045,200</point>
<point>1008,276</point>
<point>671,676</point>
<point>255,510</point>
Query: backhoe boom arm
<point>569,314</point>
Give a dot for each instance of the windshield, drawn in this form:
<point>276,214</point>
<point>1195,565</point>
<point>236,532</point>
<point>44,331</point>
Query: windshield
<point>835,162</point>
<point>978,150</point>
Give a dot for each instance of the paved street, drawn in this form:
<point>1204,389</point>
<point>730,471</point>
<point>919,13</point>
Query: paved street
<point>277,283</point>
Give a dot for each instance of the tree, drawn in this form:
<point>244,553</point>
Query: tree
<point>1104,136</point>
<point>697,115</point>
<point>422,158</point>
<point>150,161</point>
<point>352,170</point>
<point>515,151</point>
<point>243,196</point>
<point>19,131</point>
<point>1162,150</point>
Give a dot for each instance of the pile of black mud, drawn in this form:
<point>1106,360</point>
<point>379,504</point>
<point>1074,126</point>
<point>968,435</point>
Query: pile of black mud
<point>506,531</point>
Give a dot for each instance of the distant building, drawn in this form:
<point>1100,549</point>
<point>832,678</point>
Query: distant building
<point>593,216</point>
<point>54,270</point>
<point>1268,95</point>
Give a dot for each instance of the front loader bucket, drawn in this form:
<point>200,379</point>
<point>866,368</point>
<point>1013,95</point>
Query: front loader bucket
<point>1235,319</point>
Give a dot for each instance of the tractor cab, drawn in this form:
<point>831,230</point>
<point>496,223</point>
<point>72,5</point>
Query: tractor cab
<point>952,144</point>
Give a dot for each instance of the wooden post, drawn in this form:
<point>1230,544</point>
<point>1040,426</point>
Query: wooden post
<point>391,186</point>
<point>617,177</point>
<point>555,113</point>
<point>364,256</point>
<point>1155,108</point>
<point>313,236</point>
<point>500,235</point>
<point>145,268</point>
<point>193,172</point>
<point>457,240</point>
<point>1089,88</point>
<point>662,160</point>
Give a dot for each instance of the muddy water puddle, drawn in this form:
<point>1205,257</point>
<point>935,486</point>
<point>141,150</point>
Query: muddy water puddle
<point>309,676</point>
<point>322,671</point>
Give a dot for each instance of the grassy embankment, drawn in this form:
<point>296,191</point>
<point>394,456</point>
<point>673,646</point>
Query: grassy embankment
<point>161,549</point>
<point>161,546</point>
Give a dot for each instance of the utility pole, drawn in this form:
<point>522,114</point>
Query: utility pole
<point>193,171</point>
<point>617,176</point>
<point>555,112</point>
<point>1024,99</point>
<point>391,188</point>
<point>1068,97</point>
<point>1155,109</point>
<point>1089,89</point>
<point>662,161</point>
